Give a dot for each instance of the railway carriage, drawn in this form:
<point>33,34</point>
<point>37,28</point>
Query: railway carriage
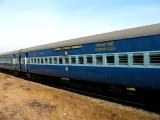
<point>10,61</point>
<point>128,58</point>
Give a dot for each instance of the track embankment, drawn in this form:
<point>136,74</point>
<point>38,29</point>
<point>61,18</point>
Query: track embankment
<point>25,100</point>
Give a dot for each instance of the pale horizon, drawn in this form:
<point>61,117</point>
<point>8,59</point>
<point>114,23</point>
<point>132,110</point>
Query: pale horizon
<point>30,23</point>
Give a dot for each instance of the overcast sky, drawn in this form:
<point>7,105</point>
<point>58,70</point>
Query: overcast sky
<point>26,23</point>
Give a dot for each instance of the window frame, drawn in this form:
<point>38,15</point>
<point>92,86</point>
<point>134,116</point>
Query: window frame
<point>55,60</point>
<point>60,59</point>
<point>71,62</point>
<point>88,62</point>
<point>45,60</point>
<point>81,56</point>
<point>154,53</point>
<point>123,61</point>
<point>102,62</point>
<point>42,59</point>
<point>35,61</point>
<point>66,57</point>
<point>38,60</point>
<point>140,63</point>
<point>50,60</point>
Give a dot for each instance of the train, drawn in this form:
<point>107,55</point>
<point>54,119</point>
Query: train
<point>129,58</point>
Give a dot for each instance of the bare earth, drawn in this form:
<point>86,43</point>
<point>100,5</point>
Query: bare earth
<point>24,100</point>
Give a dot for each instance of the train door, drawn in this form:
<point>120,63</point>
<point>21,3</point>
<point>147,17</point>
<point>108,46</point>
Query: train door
<point>16,64</point>
<point>26,62</point>
<point>19,62</point>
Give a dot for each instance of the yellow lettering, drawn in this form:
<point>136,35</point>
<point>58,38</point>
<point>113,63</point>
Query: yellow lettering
<point>68,47</point>
<point>57,49</point>
<point>111,43</point>
<point>76,47</point>
<point>100,44</point>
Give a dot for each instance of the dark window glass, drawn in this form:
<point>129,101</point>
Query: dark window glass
<point>46,60</point>
<point>38,60</point>
<point>34,60</point>
<point>50,60</point>
<point>60,60</point>
<point>66,60</point>
<point>80,60</point>
<point>89,59</point>
<point>73,60</point>
<point>99,60</point>
<point>138,59</point>
<point>31,60</point>
<point>55,60</point>
<point>42,61</point>
<point>110,60</point>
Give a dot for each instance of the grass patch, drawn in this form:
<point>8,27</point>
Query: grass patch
<point>6,76</point>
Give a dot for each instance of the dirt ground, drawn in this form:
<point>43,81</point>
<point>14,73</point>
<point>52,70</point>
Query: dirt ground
<point>24,100</point>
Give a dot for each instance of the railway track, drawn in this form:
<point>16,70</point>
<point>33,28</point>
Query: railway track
<point>103,97</point>
<point>124,99</point>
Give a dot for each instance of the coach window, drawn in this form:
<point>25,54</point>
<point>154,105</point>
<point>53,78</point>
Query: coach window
<point>138,59</point>
<point>80,60</point>
<point>46,60</point>
<point>38,60</point>
<point>154,58</point>
<point>55,60</point>
<point>27,61</point>
<point>99,60</point>
<point>42,61</point>
<point>34,60</point>
<point>73,60</point>
<point>66,60</point>
<point>89,59</point>
<point>50,60</point>
<point>60,60</point>
<point>110,59</point>
<point>123,59</point>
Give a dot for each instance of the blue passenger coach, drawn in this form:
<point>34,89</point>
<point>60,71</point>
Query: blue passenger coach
<point>129,58</point>
<point>10,61</point>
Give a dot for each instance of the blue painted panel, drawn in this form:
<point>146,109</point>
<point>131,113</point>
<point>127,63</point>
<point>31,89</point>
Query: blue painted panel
<point>137,77</point>
<point>23,68</point>
<point>7,65</point>
<point>148,43</point>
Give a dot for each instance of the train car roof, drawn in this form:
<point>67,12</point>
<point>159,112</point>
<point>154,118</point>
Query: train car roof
<point>116,35</point>
<point>10,53</point>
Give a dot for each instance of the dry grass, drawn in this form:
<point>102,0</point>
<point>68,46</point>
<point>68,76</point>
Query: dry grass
<point>23,100</point>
